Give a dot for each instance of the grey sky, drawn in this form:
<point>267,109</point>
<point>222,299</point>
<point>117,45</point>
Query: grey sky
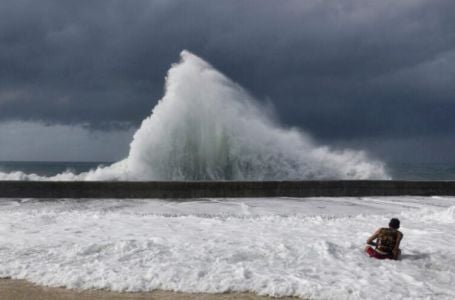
<point>349,72</point>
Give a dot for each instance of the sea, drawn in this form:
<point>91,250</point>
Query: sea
<point>310,248</point>
<point>397,170</point>
<point>49,168</point>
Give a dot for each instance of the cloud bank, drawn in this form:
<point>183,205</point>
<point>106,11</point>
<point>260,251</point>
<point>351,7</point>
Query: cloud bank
<point>343,70</point>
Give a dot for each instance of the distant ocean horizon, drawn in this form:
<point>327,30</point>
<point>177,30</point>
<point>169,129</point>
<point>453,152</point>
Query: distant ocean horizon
<point>50,168</point>
<point>398,170</point>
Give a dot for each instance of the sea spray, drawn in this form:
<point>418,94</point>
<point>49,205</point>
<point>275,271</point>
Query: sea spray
<point>206,127</point>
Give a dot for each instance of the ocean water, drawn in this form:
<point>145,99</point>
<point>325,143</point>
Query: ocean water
<point>206,127</point>
<point>422,171</point>
<point>397,170</point>
<point>49,168</point>
<point>305,247</point>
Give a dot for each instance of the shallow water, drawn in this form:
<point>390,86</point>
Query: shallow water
<point>282,247</point>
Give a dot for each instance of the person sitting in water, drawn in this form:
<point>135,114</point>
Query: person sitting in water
<point>387,243</point>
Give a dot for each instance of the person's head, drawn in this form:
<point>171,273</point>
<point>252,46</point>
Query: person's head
<point>394,223</point>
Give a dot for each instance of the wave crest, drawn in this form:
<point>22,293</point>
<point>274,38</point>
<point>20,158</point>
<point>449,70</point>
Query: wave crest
<point>206,127</point>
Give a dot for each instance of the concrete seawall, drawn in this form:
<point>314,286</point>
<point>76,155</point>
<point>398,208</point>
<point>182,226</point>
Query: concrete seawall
<point>205,189</point>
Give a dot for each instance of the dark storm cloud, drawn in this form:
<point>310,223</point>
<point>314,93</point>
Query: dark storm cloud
<point>340,69</point>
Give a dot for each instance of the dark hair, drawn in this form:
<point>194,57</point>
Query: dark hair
<point>394,223</point>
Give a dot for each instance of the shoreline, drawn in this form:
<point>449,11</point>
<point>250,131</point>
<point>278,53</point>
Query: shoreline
<point>20,289</point>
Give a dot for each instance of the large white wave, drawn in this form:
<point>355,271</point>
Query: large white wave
<point>206,127</point>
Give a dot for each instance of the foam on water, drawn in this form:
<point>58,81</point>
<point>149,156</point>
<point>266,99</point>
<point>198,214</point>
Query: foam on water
<point>310,248</point>
<point>206,127</point>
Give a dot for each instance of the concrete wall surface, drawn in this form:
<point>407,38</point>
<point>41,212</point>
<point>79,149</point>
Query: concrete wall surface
<point>215,189</point>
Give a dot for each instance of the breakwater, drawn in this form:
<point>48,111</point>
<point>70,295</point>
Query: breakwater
<point>220,189</point>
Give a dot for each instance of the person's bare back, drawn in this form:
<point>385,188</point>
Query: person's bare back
<point>387,243</point>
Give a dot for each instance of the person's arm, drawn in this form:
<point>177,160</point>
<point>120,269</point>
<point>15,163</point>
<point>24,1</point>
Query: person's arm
<point>396,248</point>
<point>373,237</point>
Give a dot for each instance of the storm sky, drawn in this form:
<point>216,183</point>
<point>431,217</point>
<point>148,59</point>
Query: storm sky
<point>77,77</point>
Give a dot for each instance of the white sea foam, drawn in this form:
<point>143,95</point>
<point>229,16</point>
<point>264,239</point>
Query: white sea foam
<point>206,127</point>
<point>310,248</point>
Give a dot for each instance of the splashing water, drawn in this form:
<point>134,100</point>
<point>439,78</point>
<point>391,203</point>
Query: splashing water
<point>206,127</point>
